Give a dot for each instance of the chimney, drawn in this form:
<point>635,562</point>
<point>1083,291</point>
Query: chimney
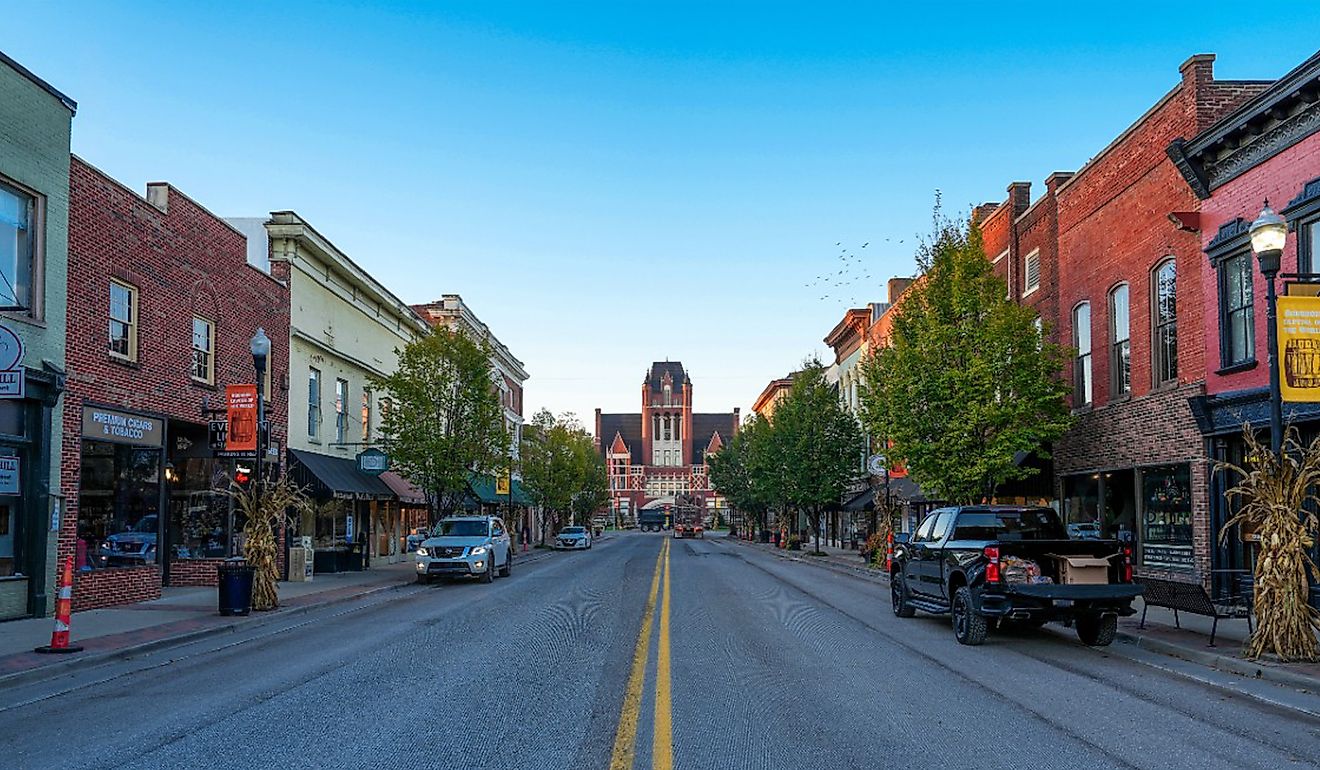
<point>896,288</point>
<point>1198,69</point>
<point>1056,180</point>
<point>1019,197</point>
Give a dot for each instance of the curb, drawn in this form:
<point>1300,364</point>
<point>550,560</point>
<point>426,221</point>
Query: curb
<point>58,667</point>
<point>861,573</point>
<point>1224,663</point>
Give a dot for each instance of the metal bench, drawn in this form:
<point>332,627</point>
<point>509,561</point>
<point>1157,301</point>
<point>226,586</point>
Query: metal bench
<point>1191,597</point>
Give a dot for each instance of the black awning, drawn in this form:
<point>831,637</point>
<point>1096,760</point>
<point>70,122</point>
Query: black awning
<point>862,501</point>
<point>1224,414</point>
<point>336,477</point>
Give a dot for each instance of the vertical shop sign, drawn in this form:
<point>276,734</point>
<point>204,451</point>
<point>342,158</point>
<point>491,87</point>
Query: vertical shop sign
<point>1299,348</point>
<point>241,434</point>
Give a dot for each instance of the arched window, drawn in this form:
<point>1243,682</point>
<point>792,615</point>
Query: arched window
<point>668,428</point>
<point>678,427</point>
<point>1081,323</point>
<point>1120,342</point>
<point>1164,321</point>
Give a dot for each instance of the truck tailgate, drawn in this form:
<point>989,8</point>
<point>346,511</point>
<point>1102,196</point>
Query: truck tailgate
<point>1081,593</point>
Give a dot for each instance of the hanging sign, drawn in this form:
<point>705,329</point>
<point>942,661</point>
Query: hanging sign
<point>502,483</point>
<point>241,407</point>
<point>1299,349</point>
<point>11,364</point>
<point>9,476</point>
<point>373,462</point>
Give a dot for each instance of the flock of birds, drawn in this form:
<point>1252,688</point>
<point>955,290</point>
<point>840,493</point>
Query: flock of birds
<point>843,283</point>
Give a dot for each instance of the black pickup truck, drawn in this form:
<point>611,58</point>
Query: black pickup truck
<point>990,563</point>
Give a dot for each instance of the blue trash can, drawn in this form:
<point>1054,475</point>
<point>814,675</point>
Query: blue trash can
<point>235,586</point>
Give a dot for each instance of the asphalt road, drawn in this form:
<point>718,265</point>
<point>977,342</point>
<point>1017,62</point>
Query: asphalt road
<point>754,662</point>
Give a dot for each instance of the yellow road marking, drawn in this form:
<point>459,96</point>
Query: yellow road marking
<point>625,737</point>
<point>662,744</point>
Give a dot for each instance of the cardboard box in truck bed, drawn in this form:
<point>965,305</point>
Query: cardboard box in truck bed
<point>1081,570</point>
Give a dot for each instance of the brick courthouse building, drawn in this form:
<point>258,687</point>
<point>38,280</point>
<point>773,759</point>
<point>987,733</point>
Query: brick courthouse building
<point>660,452</point>
<point>170,282</point>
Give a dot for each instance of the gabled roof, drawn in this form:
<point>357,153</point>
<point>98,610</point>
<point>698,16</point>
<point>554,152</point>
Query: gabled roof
<point>619,446</point>
<point>656,374</point>
<point>627,427</point>
<point>716,443</point>
<point>704,429</point>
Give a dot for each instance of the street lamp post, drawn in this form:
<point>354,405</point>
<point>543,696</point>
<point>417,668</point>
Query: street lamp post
<point>260,347</point>
<point>1268,234</point>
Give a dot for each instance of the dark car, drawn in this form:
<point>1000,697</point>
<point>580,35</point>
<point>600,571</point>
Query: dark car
<point>985,564</point>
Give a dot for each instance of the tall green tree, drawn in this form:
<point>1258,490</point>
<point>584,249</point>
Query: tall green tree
<point>562,472</point>
<point>968,380</point>
<point>445,421</point>
<point>731,473</point>
<point>820,443</point>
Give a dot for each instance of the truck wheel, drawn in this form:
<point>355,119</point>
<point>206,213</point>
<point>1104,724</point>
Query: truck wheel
<point>1097,630</point>
<point>968,625</point>
<point>899,594</point>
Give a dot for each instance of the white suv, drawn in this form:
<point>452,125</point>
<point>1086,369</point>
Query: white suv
<point>465,546</point>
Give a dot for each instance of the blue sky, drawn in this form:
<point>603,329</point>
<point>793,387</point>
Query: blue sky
<point>615,183</point>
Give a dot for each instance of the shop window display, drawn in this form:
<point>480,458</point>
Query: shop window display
<point>118,505</point>
<point>200,510</point>
<point>1167,517</point>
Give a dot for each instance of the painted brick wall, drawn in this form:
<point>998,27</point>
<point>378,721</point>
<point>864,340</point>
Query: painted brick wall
<point>183,261</point>
<point>1278,179</point>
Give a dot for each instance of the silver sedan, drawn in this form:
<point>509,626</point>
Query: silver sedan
<point>573,538</point>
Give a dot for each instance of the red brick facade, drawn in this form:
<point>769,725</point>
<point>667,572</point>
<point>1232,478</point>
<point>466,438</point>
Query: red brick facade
<point>1118,219</point>
<point>183,261</point>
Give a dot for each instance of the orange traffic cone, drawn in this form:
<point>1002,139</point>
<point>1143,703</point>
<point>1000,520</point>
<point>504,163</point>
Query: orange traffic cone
<point>59,638</point>
<point>889,552</point>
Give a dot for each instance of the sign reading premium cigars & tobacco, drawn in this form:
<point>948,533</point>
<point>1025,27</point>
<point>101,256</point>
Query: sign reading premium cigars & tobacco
<point>1299,348</point>
<point>102,424</point>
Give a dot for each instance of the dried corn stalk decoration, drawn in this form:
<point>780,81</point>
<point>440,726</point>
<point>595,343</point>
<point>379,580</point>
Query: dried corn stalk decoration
<point>1274,493</point>
<point>263,510</point>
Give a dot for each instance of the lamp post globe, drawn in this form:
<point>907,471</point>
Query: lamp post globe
<point>260,347</point>
<point>1268,234</point>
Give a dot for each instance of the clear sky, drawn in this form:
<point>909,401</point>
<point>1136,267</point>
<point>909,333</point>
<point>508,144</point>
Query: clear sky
<point>614,183</point>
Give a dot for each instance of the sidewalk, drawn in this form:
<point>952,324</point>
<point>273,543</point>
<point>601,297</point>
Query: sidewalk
<point>841,560</point>
<point>184,614</point>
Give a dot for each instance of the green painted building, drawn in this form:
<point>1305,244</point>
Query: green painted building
<point>35,121</point>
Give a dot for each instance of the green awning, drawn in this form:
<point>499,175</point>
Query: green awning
<point>483,491</point>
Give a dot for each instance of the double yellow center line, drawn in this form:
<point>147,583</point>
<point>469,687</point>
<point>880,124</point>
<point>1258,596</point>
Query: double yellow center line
<point>625,737</point>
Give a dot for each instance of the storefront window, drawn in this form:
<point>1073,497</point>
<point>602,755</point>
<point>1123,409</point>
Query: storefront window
<point>1081,504</point>
<point>1167,517</point>
<point>200,509</point>
<point>332,524</point>
<point>118,505</point>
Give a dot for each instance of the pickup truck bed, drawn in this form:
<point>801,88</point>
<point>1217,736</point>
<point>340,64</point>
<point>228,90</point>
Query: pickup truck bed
<point>963,564</point>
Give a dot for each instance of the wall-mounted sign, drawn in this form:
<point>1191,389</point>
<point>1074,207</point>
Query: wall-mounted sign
<point>241,408</point>
<point>11,364</point>
<point>877,465</point>
<point>1299,349</point>
<point>9,476</point>
<point>373,462</point>
<point>121,427</point>
<point>216,433</point>
<point>348,528</point>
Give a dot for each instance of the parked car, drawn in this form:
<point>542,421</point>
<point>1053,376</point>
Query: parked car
<point>466,546</point>
<point>993,563</point>
<point>1084,530</point>
<point>132,547</point>
<point>571,538</point>
<point>415,538</point>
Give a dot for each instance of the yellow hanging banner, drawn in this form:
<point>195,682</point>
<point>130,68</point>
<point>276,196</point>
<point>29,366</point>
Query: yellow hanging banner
<point>1299,349</point>
<point>502,483</point>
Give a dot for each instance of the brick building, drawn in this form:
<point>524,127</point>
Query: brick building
<point>1268,149</point>
<point>171,284</point>
<point>1130,301</point>
<point>35,121</point>
<point>661,451</point>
